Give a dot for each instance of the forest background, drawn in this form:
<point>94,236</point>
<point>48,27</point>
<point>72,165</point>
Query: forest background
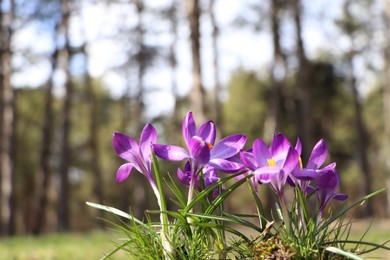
<point>73,72</point>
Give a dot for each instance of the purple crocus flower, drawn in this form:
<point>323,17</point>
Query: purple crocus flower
<point>137,156</point>
<point>202,151</point>
<point>209,177</point>
<point>327,185</point>
<point>272,165</point>
<point>316,160</point>
<point>185,176</point>
<point>313,169</point>
<point>201,147</point>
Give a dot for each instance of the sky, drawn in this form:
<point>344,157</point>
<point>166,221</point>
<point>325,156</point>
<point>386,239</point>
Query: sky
<point>238,47</point>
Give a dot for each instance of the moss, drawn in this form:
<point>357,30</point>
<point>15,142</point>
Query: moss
<point>272,248</point>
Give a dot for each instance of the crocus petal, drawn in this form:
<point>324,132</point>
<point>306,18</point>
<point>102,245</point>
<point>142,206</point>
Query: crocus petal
<point>228,146</point>
<point>261,153</point>
<point>318,155</point>
<point>125,146</point>
<point>148,136</point>
<point>306,174</point>
<point>330,167</point>
<point>208,132</point>
<point>291,161</point>
<point>170,152</point>
<point>291,181</point>
<point>188,127</point>
<point>266,174</point>
<point>279,147</point>
<point>248,160</point>
<point>298,146</point>
<point>226,166</point>
<point>241,176</point>
<point>199,150</point>
<point>217,191</point>
<point>184,177</point>
<point>210,176</point>
<point>236,159</point>
<point>340,196</point>
<point>123,172</point>
<point>328,180</point>
<point>310,189</point>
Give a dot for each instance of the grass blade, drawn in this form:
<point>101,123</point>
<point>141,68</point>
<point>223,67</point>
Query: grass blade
<point>205,192</point>
<point>345,210</point>
<point>341,252</point>
<point>115,211</point>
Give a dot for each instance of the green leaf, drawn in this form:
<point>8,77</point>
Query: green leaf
<point>303,206</point>
<point>345,210</point>
<point>115,250</point>
<point>359,242</point>
<point>181,199</point>
<point>205,192</point>
<point>221,198</point>
<point>243,222</point>
<point>163,205</point>
<point>174,214</point>
<point>223,227</point>
<point>259,205</point>
<point>115,211</point>
<point>343,253</point>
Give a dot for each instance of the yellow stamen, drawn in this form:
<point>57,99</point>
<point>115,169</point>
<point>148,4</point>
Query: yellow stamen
<point>271,162</point>
<point>210,145</point>
<point>300,162</point>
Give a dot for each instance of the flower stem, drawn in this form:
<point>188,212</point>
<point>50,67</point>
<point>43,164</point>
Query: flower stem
<point>190,197</point>
<point>191,191</point>
<point>159,192</point>
<point>319,218</point>
<point>285,213</point>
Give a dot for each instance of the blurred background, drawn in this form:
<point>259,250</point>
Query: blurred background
<point>73,72</point>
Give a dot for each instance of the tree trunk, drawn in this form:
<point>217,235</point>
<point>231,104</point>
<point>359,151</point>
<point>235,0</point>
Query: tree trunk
<point>45,172</point>
<point>362,137</point>
<point>303,86</point>
<point>138,186</point>
<point>175,120</point>
<point>93,139</point>
<point>386,102</point>
<point>7,121</point>
<point>217,83</point>
<point>271,121</point>
<point>63,203</point>
<point>139,105</point>
<point>278,65</point>
<point>197,95</point>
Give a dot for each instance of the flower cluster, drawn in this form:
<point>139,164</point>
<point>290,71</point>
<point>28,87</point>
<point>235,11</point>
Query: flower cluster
<point>197,229</point>
<point>276,165</point>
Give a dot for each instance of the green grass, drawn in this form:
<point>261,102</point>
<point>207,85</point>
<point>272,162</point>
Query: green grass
<point>379,232</point>
<point>94,245</point>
